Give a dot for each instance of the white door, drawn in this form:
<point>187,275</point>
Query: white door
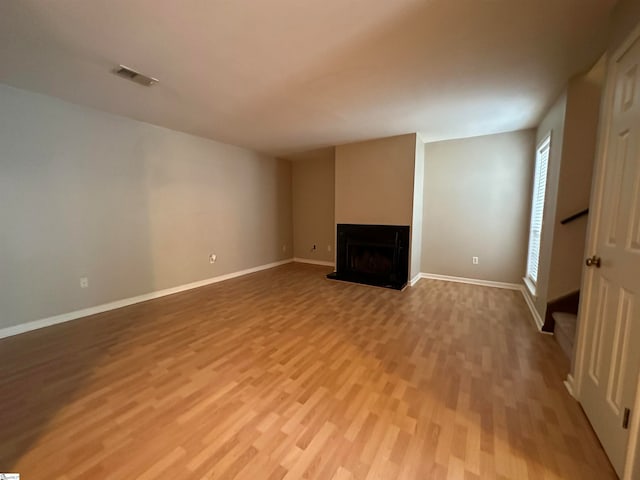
<point>611,320</point>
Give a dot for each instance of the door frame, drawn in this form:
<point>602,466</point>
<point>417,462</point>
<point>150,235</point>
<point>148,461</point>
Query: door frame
<point>632,463</point>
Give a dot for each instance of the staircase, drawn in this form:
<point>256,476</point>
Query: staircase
<point>561,315</point>
<point>561,318</point>
<point>565,330</point>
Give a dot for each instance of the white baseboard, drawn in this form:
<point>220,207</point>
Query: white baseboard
<point>568,383</point>
<point>415,280</point>
<point>66,317</point>
<point>471,281</point>
<point>534,313</point>
<point>314,262</point>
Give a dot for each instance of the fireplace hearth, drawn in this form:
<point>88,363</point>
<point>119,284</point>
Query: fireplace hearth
<point>372,255</point>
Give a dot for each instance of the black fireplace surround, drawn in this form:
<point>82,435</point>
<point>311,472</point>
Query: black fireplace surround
<point>373,255</point>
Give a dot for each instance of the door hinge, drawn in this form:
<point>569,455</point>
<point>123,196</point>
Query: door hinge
<point>625,418</point>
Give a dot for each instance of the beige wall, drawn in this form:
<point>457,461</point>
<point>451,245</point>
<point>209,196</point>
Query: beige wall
<point>313,188</point>
<point>574,181</point>
<point>374,181</point>
<point>418,211</point>
<point>553,122</point>
<point>573,123</point>
<point>133,207</point>
<point>477,197</point>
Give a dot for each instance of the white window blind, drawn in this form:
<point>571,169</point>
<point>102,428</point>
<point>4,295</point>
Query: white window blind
<point>537,208</point>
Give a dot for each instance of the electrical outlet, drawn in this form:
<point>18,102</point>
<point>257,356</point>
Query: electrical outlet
<point>212,258</point>
<point>328,248</point>
<point>284,248</point>
<point>474,260</point>
<point>314,248</point>
<point>84,282</point>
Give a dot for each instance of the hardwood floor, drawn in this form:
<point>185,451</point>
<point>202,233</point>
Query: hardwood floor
<point>283,374</point>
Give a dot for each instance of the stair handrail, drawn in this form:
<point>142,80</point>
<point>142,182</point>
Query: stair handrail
<point>575,216</point>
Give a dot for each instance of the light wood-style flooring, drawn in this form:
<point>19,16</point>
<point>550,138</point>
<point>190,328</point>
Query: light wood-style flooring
<point>283,374</point>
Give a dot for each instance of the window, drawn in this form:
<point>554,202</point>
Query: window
<point>537,210</point>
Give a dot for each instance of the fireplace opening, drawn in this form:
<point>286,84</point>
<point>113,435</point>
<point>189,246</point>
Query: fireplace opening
<point>372,254</point>
<point>370,260</point>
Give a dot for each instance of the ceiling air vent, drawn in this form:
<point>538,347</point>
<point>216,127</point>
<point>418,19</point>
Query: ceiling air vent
<point>131,74</point>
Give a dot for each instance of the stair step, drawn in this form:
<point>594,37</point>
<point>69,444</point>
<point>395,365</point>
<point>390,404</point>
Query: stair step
<point>565,330</point>
<point>566,322</point>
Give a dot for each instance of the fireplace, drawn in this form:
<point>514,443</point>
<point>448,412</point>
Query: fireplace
<point>373,255</point>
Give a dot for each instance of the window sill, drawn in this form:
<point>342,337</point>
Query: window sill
<point>530,286</point>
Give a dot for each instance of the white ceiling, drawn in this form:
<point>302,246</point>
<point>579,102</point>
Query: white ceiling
<point>281,76</point>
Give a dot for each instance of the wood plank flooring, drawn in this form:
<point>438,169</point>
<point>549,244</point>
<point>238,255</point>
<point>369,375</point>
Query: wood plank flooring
<point>283,374</point>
